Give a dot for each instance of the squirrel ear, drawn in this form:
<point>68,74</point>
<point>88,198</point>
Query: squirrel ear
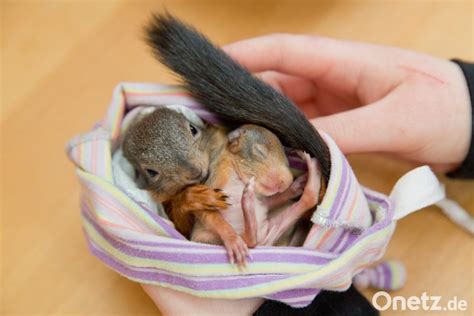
<point>234,140</point>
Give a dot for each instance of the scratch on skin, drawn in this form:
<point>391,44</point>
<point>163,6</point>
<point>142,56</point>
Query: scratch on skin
<point>422,73</point>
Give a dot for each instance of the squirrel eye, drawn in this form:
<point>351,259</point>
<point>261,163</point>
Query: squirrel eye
<point>151,173</point>
<point>193,129</point>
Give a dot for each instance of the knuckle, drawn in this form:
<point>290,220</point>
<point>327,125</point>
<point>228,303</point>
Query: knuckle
<point>280,36</point>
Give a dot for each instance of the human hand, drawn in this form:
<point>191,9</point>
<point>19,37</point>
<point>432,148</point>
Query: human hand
<point>369,98</point>
<point>172,302</point>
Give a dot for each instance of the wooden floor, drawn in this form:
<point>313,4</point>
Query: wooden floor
<point>60,62</point>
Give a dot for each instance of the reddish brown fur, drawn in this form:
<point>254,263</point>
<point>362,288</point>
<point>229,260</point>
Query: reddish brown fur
<point>193,202</point>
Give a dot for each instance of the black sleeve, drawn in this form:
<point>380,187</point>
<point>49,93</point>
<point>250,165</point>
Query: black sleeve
<point>348,303</point>
<point>466,170</point>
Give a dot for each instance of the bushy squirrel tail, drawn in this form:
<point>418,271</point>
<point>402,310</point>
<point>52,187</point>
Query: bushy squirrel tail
<point>229,90</point>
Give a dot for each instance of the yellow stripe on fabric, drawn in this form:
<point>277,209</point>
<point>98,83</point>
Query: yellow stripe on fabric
<point>107,163</point>
<point>354,205</point>
<point>303,272</point>
<point>116,121</point>
<point>123,199</point>
<point>395,273</point>
<point>292,282</point>
<point>332,190</point>
<point>189,269</point>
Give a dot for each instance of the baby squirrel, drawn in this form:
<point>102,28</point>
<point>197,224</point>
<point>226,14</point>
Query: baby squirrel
<point>171,153</point>
<point>254,171</point>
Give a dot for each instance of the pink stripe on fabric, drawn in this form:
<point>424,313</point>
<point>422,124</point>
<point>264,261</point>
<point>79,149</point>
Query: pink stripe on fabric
<point>114,208</point>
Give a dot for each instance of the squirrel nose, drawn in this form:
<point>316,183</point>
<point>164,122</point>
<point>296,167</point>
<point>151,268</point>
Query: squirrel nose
<point>282,186</point>
<point>285,182</point>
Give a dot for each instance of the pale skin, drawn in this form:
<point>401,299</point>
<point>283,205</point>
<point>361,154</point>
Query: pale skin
<point>274,227</point>
<point>369,98</point>
<point>264,230</point>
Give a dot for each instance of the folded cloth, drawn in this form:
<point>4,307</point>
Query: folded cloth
<point>351,227</point>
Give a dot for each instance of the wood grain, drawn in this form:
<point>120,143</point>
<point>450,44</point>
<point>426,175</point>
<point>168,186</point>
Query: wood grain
<point>60,62</point>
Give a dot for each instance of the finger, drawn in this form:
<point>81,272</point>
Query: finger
<point>237,254</point>
<point>372,128</point>
<point>240,258</point>
<point>310,110</point>
<point>230,254</point>
<point>299,90</point>
<point>244,255</point>
<point>303,92</point>
<point>334,62</point>
<point>246,250</point>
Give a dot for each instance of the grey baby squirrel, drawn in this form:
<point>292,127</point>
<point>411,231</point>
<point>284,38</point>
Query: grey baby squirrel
<point>171,152</point>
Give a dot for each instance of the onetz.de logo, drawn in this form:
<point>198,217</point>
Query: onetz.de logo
<point>384,301</point>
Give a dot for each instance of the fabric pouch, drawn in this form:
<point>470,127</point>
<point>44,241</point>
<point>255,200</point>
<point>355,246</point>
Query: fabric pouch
<point>350,228</point>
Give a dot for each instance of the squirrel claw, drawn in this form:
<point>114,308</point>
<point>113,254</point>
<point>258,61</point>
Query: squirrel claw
<point>237,251</point>
<point>303,155</point>
<point>203,197</point>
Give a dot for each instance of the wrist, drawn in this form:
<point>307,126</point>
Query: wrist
<point>464,101</point>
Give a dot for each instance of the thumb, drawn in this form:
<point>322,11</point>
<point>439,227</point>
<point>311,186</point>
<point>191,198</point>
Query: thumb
<point>368,128</point>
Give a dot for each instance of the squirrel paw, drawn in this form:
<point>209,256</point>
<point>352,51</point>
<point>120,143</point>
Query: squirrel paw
<point>311,190</point>
<point>202,197</point>
<point>297,187</point>
<point>248,195</point>
<point>237,250</point>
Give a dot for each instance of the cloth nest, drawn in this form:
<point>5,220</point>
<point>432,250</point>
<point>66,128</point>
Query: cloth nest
<point>128,232</point>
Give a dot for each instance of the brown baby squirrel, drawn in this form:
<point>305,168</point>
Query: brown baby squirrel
<point>254,171</point>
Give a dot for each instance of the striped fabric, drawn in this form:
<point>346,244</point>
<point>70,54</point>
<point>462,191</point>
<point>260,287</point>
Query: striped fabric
<point>352,225</point>
<point>388,275</point>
